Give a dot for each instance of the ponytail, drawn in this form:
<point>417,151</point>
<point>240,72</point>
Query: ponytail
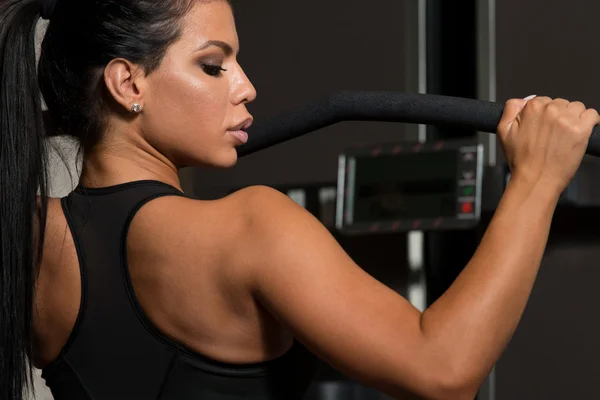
<point>22,175</point>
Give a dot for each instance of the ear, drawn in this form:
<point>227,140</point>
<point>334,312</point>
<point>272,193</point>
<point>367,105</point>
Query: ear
<point>125,82</point>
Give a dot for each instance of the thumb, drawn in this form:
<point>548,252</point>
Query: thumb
<point>512,110</point>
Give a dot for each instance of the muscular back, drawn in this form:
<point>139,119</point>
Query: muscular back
<point>178,251</point>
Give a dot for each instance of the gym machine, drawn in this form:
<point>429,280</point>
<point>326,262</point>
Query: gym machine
<point>447,184</point>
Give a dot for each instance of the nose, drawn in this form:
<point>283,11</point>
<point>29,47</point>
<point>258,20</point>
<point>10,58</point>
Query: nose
<point>243,90</point>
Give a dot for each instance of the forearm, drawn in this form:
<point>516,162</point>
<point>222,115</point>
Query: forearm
<point>471,324</point>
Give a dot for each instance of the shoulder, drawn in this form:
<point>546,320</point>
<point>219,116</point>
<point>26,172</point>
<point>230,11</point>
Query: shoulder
<point>244,209</point>
<point>260,206</point>
<point>183,243</point>
<point>249,217</point>
<point>270,220</point>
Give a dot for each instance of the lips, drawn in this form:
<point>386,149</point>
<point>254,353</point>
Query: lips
<point>241,136</point>
<point>239,131</point>
<point>242,126</point>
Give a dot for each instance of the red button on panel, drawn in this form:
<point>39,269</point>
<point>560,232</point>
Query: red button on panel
<point>467,208</point>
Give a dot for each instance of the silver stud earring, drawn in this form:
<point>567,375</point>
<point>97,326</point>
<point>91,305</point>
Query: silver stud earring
<point>136,108</point>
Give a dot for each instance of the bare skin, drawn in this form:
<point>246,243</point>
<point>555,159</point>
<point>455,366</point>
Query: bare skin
<point>236,279</point>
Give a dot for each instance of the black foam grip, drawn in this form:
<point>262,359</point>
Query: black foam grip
<point>425,109</point>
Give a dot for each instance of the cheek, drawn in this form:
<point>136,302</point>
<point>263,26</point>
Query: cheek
<point>185,101</point>
<point>187,108</point>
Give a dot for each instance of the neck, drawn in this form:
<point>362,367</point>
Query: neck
<point>118,163</point>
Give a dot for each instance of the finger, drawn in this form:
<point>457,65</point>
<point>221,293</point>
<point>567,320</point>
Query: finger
<point>536,106</point>
<point>512,109</point>
<point>561,102</point>
<point>577,107</point>
<point>590,118</point>
<point>538,102</point>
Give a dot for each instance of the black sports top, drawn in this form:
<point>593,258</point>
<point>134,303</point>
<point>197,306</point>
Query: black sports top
<point>115,352</point>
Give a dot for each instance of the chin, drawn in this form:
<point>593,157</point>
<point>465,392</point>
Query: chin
<point>228,165</point>
<point>223,159</point>
<point>230,158</point>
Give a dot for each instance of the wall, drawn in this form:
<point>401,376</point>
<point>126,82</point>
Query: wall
<point>549,47</point>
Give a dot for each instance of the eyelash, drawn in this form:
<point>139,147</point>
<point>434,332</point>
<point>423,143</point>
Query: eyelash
<point>213,70</point>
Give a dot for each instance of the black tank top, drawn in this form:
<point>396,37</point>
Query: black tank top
<point>115,352</point>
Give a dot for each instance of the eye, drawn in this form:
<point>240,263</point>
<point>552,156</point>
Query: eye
<point>212,69</point>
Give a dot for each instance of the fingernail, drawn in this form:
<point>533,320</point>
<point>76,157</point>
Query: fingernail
<point>533,96</point>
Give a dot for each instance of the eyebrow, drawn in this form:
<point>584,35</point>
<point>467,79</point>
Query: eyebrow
<point>227,49</point>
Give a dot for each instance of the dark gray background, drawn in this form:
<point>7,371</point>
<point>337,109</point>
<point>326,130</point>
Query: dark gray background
<point>295,51</point>
<point>550,47</point>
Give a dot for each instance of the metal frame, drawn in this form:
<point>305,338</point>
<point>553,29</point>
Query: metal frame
<point>486,67</point>
<point>486,86</point>
<point>416,36</point>
<point>416,82</point>
<point>416,68</point>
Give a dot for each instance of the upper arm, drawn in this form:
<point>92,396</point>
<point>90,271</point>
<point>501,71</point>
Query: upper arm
<point>301,275</point>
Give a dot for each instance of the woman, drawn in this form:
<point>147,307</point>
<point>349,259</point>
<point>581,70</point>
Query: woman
<point>127,289</point>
